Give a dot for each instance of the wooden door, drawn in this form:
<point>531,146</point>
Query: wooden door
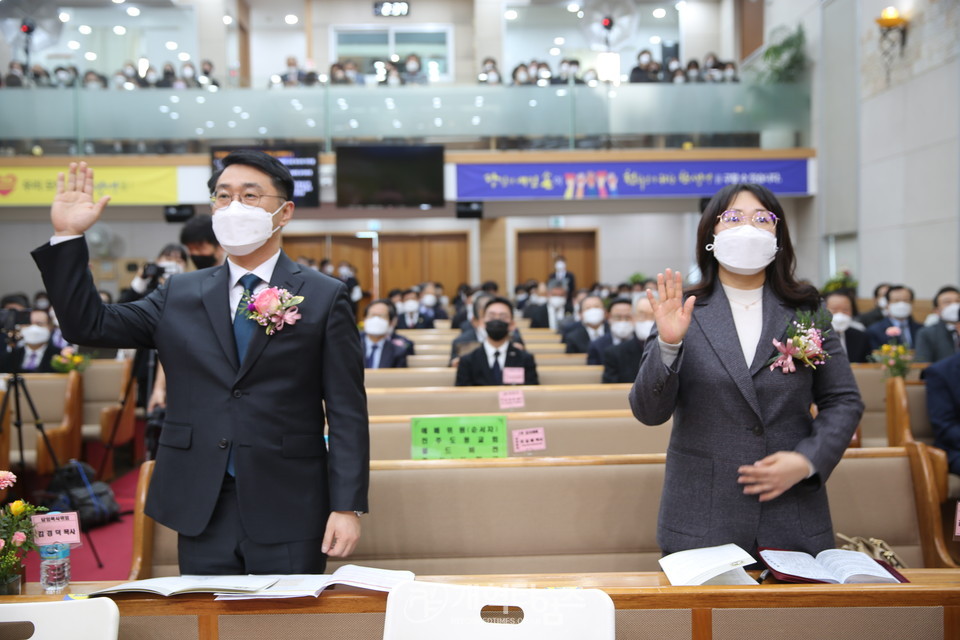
<point>536,251</point>
<point>407,259</point>
<point>356,251</point>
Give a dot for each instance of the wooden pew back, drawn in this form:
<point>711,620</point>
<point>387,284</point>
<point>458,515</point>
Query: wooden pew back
<point>446,376</point>
<point>485,400</point>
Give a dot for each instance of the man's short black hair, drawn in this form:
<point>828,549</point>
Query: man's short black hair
<point>943,290</point>
<point>498,300</point>
<point>15,298</point>
<point>898,287</point>
<point>876,289</point>
<point>278,172</point>
<point>406,292</point>
<point>620,300</point>
<point>395,292</point>
<point>391,309</point>
<point>490,286</point>
<point>199,229</point>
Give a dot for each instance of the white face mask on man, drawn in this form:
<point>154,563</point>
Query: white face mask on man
<point>376,326</point>
<point>901,310</point>
<point>951,313</point>
<point>841,322</point>
<point>744,250</point>
<point>241,230</point>
<point>35,334</point>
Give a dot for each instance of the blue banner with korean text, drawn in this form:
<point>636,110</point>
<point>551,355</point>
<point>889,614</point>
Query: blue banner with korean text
<point>610,180</point>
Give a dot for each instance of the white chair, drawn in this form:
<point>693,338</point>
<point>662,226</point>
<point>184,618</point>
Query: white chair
<point>93,619</point>
<point>436,611</point>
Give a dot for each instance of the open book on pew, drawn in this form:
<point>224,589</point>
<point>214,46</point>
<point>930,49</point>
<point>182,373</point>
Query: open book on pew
<point>300,586</point>
<point>710,565</point>
<point>834,566</point>
<point>175,585</point>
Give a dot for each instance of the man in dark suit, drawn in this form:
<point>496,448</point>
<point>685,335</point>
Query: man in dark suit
<point>621,359</point>
<point>592,325</point>
<point>497,361</point>
<point>854,342</point>
<point>878,312</point>
<point>410,316</point>
<point>943,407</point>
<point>38,350</point>
<point>940,340</point>
<point>620,317</point>
<point>242,470</point>
<point>567,279</point>
<point>900,307</point>
<point>551,314</point>
<point>381,349</point>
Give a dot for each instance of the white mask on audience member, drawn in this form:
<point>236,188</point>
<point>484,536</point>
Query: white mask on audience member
<point>745,250</point>
<point>645,58</point>
<point>537,299</point>
<point>328,269</point>
<point>951,313</point>
<point>622,329</point>
<point>170,267</point>
<point>429,300</point>
<point>35,334</point>
<point>882,303</point>
<point>604,293</point>
<point>241,230</point>
<point>593,316</point>
<point>901,310</point>
<point>560,265</point>
<point>411,306</point>
<point>557,302</point>
<point>444,301</point>
<point>841,322</point>
<point>643,328</point>
<point>376,326</point>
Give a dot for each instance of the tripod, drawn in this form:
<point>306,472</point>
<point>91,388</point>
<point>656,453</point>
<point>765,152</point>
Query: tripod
<point>17,386</point>
<point>109,446</point>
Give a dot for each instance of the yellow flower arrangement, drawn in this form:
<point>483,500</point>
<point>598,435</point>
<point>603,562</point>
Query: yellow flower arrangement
<point>68,360</point>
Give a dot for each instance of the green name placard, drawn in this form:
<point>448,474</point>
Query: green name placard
<point>437,438</point>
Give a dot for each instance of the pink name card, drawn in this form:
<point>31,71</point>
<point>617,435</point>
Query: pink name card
<point>513,375</point>
<point>511,399</point>
<point>529,440</point>
<point>49,528</point>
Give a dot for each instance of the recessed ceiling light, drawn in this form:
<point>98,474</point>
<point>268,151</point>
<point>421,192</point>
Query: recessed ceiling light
<point>510,14</point>
<point>90,55</point>
<point>133,12</point>
<point>85,29</point>
<point>119,1</point>
<point>291,19</point>
<point>172,46</point>
<point>554,51</point>
<point>120,30</point>
<point>573,7</point>
<point>183,56</point>
<point>227,20</point>
<point>64,16</point>
<point>654,39</point>
<point>659,13</point>
<point>559,41</point>
<point>73,44</point>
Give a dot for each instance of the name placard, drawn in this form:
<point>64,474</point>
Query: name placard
<point>511,399</point>
<point>50,528</point>
<point>457,437</point>
<point>529,440</point>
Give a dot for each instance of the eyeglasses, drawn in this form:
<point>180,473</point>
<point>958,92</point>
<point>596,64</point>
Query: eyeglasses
<point>766,220</point>
<point>249,199</point>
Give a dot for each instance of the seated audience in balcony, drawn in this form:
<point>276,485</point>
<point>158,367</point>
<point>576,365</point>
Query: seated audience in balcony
<point>521,76</point>
<point>93,80</point>
<point>188,73</point>
<point>15,76</point>
<point>65,77</point>
<point>641,72</point>
<point>943,407</point>
<point>853,340</point>
<point>413,72</point>
<point>380,348</point>
<point>410,317</point>
<point>294,75</point>
<point>489,73</point>
<point>730,72</point>
<point>693,71</point>
<point>673,65</point>
<point>621,362</point>
<point>900,307</point>
<point>40,77</point>
<point>939,340</point>
<point>498,360</point>
<point>390,76</point>
<point>592,326</point>
<point>338,75</point>
<point>206,74</point>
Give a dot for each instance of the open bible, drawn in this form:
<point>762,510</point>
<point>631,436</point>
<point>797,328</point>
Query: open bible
<point>837,566</point>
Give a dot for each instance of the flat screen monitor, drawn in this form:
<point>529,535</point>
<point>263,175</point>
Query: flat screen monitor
<point>302,161</point>
<point>390,176</point>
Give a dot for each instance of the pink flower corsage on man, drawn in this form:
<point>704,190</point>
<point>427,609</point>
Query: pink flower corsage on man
<point>273,308</point>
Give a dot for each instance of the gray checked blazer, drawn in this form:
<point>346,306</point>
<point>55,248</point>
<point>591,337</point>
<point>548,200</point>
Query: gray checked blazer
<point>726,415</point>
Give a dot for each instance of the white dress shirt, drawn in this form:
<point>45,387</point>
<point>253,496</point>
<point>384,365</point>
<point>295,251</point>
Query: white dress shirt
<point>264,272</point>
<point>491,350</point>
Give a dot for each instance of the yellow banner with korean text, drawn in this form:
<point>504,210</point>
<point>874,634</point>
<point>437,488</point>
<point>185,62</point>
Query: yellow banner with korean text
<point>21,186</point>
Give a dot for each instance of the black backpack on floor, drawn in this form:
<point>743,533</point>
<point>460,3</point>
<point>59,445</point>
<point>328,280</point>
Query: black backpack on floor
<point>73,488</point>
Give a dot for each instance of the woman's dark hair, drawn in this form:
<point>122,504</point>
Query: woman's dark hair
<point>780,272</point>
<point>278,172</point>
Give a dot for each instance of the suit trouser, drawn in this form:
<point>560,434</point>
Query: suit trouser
<point>225,549</point>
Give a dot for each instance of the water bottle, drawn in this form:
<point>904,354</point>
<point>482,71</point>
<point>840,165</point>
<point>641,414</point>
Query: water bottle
<point>54,567</point>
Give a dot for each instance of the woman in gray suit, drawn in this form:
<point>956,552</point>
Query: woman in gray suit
<point>747,460</point>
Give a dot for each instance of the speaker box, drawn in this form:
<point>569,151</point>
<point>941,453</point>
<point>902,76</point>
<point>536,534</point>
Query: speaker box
<point>469,209</point>
<point>178,212</point>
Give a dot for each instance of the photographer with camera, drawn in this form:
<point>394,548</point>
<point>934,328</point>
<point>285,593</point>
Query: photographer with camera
<point>35,353</point>
<point>171,261</point>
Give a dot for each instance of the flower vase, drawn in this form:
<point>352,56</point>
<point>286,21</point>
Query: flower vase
<point>10,586</point>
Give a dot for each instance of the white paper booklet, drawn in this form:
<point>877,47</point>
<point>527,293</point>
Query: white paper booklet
<point>173,585</point>
<point>299,586</point>
<point>710,565</point>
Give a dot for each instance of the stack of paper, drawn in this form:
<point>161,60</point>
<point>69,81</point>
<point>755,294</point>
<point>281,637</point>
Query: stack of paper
<point>299,586</point>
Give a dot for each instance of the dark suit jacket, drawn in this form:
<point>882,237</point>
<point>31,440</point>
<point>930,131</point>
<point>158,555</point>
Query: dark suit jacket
<point>570,281</point>
<point>858,345</point>
<point>394,354</point>
<point>622,362</point>
<point>473,369</point>
<point>879,337</point>
<point>943,406</point>
<point>934,343</point>
<point>469,336</point>
<point>596,351</point>
<point>270,408</point>
<point>12,362</point>
<point>727,413</point>
<point>408,343</point>
<point>870,317</point>
<point>538,314</point>
<point>578,340</point>
<point>423,322</point>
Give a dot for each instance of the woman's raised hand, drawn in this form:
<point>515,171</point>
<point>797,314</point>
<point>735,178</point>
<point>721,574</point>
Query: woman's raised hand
<point>74,210</point>
<point>670,311</point>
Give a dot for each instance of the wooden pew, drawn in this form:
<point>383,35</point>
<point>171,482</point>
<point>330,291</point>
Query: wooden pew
<point>481,400</point>
<point>536,348</point>
<point>446,376</point>
<point>429,336</point>
<point>57,398</point>
<point>566,433</point>
<point>104,384</point>
<point>543,359</point>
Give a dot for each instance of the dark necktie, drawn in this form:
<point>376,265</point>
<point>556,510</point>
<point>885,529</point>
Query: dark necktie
<point>30,362</point>
<point>955,337</point>
<point>243,327</point>
<point>496,370</point>
<point>371,359</point>
<point>905,336</point>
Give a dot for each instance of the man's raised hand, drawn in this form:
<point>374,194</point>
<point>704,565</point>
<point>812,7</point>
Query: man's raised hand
<point>74,210</point>
<point>670,310</point>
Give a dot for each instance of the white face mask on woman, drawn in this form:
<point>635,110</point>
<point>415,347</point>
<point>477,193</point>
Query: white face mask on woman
<point>744,250</point>
<point>241,230</point>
